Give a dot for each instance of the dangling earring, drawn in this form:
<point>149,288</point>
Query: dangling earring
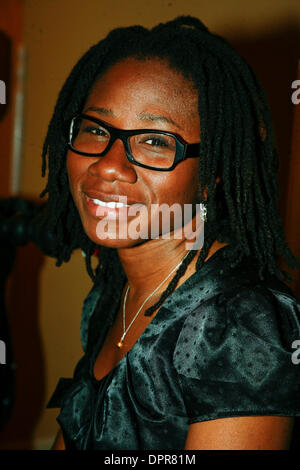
<point>203,212</point>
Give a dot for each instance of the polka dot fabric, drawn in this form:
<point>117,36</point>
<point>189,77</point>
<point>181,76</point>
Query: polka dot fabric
<point>220,346</point>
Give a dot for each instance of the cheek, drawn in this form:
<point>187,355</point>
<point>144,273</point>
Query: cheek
<point>184,183</point>
<point>180,185</point>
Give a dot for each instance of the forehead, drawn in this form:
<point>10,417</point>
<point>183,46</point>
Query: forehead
<point>145,86</point>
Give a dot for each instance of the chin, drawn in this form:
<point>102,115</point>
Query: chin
<point>117,243</point>
<point>110,240</point>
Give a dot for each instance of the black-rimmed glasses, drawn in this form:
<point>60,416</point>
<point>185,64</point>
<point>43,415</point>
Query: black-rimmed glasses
<point>153,149</point>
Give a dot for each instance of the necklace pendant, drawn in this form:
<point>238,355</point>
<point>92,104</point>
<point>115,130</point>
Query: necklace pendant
<point>120,344</point>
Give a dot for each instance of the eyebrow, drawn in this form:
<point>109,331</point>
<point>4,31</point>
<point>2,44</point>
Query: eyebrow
<point>142,116</point>
<point>101,111</point>
<point>155,118</point>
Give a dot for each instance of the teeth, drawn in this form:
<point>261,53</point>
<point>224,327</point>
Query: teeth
<point>111,204</point>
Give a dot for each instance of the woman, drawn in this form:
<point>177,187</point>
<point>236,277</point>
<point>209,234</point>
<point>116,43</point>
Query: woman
<point>184,348</point>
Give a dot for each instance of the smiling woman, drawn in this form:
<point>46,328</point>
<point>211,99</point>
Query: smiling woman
<point>131,95</point>
<point>184,348</point>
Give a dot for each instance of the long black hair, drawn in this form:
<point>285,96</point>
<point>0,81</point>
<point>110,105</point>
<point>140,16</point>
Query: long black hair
<point>237,145</point>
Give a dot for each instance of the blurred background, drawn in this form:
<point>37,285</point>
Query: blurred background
<point>40,41</point>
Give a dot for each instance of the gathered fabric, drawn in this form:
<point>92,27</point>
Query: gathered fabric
<point>220,346</point>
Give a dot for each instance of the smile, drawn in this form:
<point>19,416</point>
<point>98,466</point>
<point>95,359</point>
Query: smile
<point>110,204</point>
<point>109,209</point>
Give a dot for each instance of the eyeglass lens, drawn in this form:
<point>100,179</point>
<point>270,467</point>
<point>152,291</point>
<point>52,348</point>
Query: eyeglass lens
<point>156,150</point>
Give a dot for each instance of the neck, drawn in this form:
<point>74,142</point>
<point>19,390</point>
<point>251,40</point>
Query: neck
<point>146,265</point>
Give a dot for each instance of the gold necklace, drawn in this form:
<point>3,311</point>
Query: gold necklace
<point>125,331</point>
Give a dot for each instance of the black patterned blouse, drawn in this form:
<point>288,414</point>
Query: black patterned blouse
<point>220,346</point>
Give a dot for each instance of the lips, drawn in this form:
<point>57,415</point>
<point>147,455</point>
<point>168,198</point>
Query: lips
<point>111,206</point>
<point>108,200</point>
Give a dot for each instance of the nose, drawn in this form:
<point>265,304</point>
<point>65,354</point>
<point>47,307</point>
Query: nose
<point>114,165</point>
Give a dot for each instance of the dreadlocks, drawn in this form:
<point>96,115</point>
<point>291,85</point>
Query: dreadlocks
<point>237,145</point>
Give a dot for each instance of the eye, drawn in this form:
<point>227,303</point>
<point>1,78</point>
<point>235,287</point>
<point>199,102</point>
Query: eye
<point>92,131</point>
<point>157,141</point>
<point>95,130</point>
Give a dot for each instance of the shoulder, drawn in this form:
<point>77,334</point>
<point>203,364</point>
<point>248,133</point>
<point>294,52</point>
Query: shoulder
<point>234,354</point>
<point>264,309</point>
<point>252,324</point>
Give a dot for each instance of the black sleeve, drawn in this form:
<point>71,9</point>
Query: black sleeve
<point>235,356</point>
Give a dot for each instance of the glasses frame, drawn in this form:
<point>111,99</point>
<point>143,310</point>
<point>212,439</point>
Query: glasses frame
<point>183,149</point>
